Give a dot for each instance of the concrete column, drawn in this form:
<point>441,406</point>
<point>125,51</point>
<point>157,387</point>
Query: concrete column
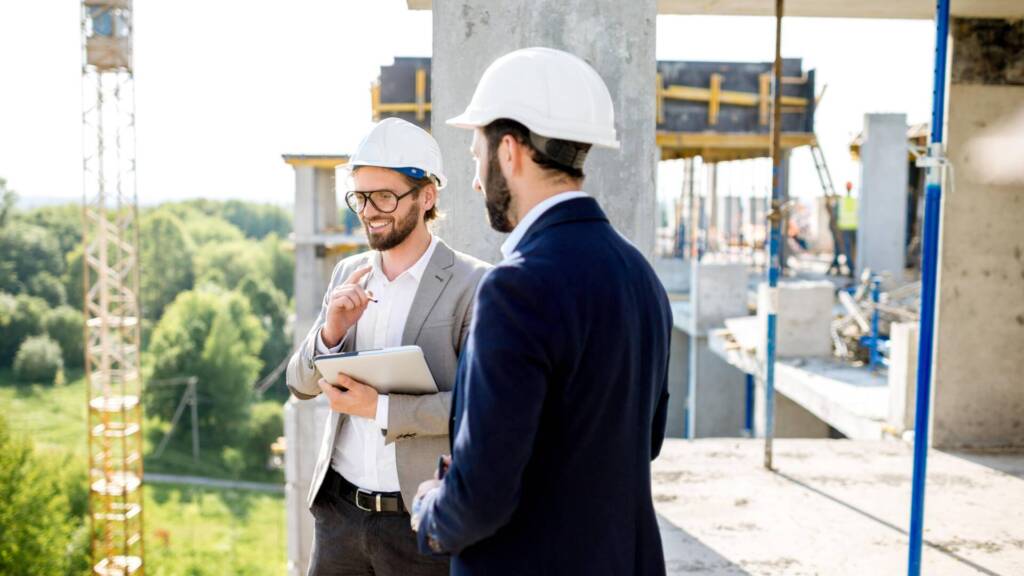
<point>978,391</point>
<point>616,38</point>
<point>882,206</point>
<point>316,213</point>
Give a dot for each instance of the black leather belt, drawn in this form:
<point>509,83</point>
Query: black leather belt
<point>365,500</point>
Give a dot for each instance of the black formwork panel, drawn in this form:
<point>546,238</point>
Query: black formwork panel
<point>692,116</point>
<point>398,86</point>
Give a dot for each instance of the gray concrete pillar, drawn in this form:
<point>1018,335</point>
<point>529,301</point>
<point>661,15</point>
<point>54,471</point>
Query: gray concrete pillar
<point>316,214</point>
<point>616,38</point>
<point>882,206</point>
<point>979,355</point>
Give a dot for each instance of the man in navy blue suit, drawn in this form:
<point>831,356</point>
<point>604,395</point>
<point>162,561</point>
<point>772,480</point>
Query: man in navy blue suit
<point>561,394</point>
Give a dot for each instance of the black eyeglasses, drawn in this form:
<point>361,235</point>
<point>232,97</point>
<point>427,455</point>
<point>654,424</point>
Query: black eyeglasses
<point>384,201</point>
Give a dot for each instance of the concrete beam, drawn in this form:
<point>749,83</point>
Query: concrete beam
<point>616,38</point>
<point>882,9</point>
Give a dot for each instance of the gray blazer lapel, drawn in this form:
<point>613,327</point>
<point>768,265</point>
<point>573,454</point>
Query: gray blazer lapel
<point>435,279</point>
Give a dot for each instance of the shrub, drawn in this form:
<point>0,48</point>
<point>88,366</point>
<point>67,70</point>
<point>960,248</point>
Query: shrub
<point>38,360</point>
<point>266,425</point>
<point>20,317</point>
<point>36,524</point>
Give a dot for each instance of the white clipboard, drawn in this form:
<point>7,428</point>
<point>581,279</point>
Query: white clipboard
<point>400,370</point>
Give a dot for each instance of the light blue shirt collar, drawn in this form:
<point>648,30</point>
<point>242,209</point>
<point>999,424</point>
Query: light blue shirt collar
<point>512,242</point>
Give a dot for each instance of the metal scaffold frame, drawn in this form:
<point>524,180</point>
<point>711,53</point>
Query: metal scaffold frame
<point>111,289</point>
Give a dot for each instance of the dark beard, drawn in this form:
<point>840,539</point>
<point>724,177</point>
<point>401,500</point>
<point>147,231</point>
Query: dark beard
<point>400,230</point>
<point>497,197</point>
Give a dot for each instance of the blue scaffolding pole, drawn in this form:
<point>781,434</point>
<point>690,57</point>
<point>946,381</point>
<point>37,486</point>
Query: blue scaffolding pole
<point>929,268</point>
<point>775,240</point>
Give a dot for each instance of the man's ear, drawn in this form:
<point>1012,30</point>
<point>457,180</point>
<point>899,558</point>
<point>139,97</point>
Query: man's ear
<point>429,196</point>
<point>510,155</point>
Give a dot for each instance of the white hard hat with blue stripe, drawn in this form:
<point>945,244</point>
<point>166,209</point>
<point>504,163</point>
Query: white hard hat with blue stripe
<point>403,147</point>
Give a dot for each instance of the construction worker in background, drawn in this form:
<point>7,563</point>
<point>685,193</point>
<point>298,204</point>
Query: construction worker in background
<point>847,224</point>
<point>561,396</point>
<point>411,288</point>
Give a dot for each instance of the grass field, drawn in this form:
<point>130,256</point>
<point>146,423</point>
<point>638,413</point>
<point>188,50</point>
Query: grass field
<point>189,530</point>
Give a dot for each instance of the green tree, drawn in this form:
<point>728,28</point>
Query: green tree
<point>281,264</point>
<point>21,316</point>
<point>25,252</point>
<point>66,326</point>
<point>215,337</point>
<point>49,288</point>
<point>257,220</point>
<point>165,257</point>
<point>203,229</point>
<point>36,523</point>
<point>64,221</point>
<point>271,307</point>
<point>8,199</point>
<point>226,264</point>
<point>72,278</point>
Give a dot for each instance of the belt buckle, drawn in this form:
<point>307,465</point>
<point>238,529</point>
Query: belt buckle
<point>370,495</point>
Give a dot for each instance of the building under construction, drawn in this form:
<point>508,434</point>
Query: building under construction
<point>800,407</point>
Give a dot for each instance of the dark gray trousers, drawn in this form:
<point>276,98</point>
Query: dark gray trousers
<point>351,542</point>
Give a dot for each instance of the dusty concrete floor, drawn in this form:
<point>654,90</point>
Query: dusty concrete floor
<point>834,507</point>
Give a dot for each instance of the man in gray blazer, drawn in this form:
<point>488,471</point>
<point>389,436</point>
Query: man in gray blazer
<point>411,289</point>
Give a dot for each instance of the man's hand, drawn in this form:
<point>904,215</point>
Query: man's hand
<point>424,491</point>
<point>358,400</point>
<point>344,308</point>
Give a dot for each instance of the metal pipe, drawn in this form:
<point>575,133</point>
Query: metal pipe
<point>691,388</point>
<point>775,217</point>
<point>929,269</point>
<point>876,356</point>
<point>748,412</point>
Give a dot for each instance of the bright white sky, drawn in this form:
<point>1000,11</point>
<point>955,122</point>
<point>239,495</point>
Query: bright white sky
<point>224,88</point>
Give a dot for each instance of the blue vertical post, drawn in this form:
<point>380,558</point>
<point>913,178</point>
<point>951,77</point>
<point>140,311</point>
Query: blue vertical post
<point>876,354</point>
<point>775,239</point>
<point>929,269</point>
<point>748,412</point>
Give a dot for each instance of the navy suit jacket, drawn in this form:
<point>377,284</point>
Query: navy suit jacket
<point>560,405</point>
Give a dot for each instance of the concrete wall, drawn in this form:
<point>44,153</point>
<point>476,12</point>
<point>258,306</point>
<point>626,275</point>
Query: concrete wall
<point>979,366</point>
<point>882,221</point>
<point>617,38</point>
<point>791,419</point>
<point>721,391</point>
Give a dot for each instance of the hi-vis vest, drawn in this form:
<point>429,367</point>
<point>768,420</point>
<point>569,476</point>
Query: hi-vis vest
<point>847,213</point>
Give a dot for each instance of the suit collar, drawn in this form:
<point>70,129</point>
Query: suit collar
<point>575,210</point>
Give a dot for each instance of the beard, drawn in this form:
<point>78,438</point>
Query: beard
<point>497,196</point>
<point>397,233</point>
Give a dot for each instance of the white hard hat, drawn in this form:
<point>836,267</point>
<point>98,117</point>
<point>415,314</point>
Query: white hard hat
<point>402,146</point>
<point>553,93</point>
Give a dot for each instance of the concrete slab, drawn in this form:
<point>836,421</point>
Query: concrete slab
<point>834,507</point>
<point>851,399</point>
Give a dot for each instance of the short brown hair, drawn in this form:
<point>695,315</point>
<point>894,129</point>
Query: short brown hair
<point>420,184</point>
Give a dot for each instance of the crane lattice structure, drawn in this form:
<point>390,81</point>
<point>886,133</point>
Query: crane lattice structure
<point>111,284</point>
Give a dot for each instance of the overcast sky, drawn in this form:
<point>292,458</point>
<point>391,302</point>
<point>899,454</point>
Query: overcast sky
<point>224,88</point>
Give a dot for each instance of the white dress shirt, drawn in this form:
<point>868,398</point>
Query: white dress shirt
<point>360,454</point>
<point>513,239</point>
